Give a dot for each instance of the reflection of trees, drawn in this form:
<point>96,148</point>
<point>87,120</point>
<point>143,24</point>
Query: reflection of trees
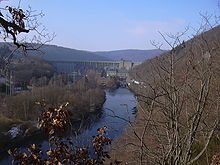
<point>86,123</point>
<point>24,143</point>
<point>78,128</point>
<point>112,93</point>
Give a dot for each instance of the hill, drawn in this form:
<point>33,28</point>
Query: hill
<point>53,52</point>
<point>130,54</point>
<point>178,95</point>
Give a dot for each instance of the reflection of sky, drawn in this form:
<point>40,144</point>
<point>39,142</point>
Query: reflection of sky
<point>115,103</point>
<point>120,101</point>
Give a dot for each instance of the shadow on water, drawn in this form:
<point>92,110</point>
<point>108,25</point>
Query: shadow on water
<point>120,105</point>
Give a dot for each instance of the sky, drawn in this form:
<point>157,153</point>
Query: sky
<point>98,25</point>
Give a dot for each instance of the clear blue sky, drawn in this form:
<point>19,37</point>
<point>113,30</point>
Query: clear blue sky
<point>117,24</point>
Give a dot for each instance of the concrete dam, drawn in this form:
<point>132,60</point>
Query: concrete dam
<point>82,67</point>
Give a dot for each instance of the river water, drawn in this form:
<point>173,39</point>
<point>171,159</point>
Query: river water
<point>120,102</point>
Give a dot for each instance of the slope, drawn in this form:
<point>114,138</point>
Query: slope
<point>130,54</point>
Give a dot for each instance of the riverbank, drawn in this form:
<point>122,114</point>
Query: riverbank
<point>14,132</point>
<point>115,102</point>
<point>126,148</point>
<point>129,147</point>
<point>84,97</point>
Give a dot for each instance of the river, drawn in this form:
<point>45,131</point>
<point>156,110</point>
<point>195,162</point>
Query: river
<point>120,102</point>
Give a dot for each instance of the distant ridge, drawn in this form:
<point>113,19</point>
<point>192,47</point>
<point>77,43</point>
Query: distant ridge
<point>134,55</point>
<point>58,53</point>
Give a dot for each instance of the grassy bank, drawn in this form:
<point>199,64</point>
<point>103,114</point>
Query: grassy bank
<point>6,123</point>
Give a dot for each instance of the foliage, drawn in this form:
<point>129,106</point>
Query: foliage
<point>62,151</point>
<point>216,160</point>
<point>54,119</point>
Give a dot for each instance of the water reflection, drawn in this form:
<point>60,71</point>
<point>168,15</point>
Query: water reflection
<point>119,107</point>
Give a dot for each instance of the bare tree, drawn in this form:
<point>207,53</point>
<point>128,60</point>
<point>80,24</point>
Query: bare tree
<point>22,31</point>
<point>179,96</point>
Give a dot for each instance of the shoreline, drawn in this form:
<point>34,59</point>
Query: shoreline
<point>39,134</point>
<point>30,130</point>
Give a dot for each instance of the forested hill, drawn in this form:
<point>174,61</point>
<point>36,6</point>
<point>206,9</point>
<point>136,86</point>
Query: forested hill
<point>208,42</point>
<point>182,87</point>
<point>134,55</point>
<point>52,52</point>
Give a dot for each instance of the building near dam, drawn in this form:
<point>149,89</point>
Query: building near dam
<point>108,68</point>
